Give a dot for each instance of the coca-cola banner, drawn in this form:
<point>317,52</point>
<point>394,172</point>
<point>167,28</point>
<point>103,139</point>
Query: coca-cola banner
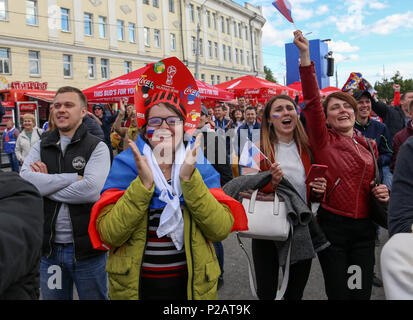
<point>172,76</point>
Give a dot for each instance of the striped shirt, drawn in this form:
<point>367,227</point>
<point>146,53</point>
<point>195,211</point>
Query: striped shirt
<point>161,259</point>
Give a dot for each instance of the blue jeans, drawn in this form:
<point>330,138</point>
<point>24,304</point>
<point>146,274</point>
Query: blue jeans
<point>60,271</point>
<point>14,163</point>
<point>387,177</point>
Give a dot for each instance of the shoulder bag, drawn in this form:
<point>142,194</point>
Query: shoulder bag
<point>267,220</point>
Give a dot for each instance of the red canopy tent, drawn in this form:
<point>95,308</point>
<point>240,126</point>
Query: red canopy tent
<point>255,89</point>
<point>326,91</point>
<point>114,90</point>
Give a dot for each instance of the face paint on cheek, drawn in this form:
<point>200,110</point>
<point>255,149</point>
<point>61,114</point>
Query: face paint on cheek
<point>149,132</point>
<point>276,116</point>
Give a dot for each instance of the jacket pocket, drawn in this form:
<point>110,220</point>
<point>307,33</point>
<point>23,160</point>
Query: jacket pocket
<point>212,271</point>
<point>119,265</point>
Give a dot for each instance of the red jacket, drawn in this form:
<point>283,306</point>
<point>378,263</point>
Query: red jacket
<point>349,160</point>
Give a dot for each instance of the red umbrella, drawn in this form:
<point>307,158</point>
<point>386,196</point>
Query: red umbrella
<point>252,87</point>
<point>326,91</point>
<point>210,92</point>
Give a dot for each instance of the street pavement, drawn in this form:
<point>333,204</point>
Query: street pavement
<point>236,282</point>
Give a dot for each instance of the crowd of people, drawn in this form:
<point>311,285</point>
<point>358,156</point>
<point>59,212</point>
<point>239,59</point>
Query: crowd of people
<point>128,212</point>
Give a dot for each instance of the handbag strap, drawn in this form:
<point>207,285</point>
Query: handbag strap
<point>376,167</point>
<point>252,279</point>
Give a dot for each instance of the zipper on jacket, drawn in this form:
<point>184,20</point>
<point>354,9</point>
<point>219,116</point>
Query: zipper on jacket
<point>53,225</point>
<point>192,258</point>
<point>334,186</point>
<point>73,239</point>
<point>362,178</point>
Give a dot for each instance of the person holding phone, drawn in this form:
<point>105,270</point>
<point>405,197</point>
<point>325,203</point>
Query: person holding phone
<point>344,216</point>
<point>285,143</point>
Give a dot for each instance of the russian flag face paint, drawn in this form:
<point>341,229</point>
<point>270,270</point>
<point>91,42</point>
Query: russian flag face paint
<point>275,116</point>
<point>149,132</point>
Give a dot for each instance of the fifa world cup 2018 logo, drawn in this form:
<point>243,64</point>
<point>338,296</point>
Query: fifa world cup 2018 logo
<point>170,73</point>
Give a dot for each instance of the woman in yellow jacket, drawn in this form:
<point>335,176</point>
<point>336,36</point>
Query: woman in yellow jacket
<point>159,212</point>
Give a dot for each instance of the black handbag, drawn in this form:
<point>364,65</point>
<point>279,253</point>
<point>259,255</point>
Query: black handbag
<point>378,209</point>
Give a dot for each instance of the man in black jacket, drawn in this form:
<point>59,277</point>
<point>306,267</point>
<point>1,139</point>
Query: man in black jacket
<point>395,118</point>
<point>21,232</point>
<point>69,167</point>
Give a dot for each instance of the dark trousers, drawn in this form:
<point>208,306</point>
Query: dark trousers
<point>265,256</point>
<point>14,163</point>
<point>348,264</point>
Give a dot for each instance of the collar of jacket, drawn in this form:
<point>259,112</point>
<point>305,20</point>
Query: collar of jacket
<point>54,137</point>
<point>363,125</point>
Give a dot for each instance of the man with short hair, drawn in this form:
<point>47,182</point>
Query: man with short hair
<point>10,135</point>
<point>242,103</point>
<point>394,117</point>
<point>374,130</point>
<point>69,167</point>
<point>105,123</point>
<point>249,132</point>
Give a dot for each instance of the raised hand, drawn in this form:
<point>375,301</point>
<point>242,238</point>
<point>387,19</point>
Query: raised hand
<point>144,171</point>
<point>188,167</point>
<point>303,46</point>
<point>276,173</point>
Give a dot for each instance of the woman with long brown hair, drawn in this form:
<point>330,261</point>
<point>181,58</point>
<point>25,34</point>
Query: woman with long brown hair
<point>345,214</point>
<point>285,144</point>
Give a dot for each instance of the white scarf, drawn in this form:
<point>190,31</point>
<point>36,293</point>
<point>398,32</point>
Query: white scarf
<point>171,221</point>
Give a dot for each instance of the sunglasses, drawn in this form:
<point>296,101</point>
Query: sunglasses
<point>170,121</point>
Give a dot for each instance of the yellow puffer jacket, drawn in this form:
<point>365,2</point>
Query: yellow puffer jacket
<point>124,227</point>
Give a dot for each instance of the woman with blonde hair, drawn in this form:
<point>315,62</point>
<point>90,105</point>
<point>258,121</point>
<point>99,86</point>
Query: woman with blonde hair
<point>28,137</point>
<point>285,144</point>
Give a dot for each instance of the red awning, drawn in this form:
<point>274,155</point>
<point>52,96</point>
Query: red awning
<point>210,92</point>
<point>47,96</point>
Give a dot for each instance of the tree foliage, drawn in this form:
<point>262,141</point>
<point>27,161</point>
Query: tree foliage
<point>385,88</point>
<point>268,75</point>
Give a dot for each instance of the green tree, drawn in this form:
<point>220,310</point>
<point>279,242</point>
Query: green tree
<point>268,75</point>
<point>385,88</point>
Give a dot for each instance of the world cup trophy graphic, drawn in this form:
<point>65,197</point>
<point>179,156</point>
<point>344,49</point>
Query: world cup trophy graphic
<point>170,73</point>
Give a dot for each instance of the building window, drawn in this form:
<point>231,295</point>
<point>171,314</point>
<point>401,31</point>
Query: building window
<point>157,38</point>
<point>212,79</point>
<point>91,66</point>
<point>203,77</point>
<point>214,19</point>
<point>171,6</point>
<point>208,18</point>
<point>239,30</point>
<point>67,66</point>
<point>193,45</point>
<point>88,21</point>
<point>256,37</point>
<point>198,10</point>
<point>64,19</point>
<point>155,3</point>
<point>145,1</point>
<point>173,41</point>
<point>226,78</point>
<point>104,67</point>
<point>216,49</point>
<point>146,36</point>
<point>102,27</point>
<point>3,10</point>
<point>228,26</point>
<point>127,66</point>
<point>4,61</point>
<point>246,33</point>
<point>131,32</point>
<point>201,50</point>
<point>235,29</point>
<point>218,79</point>
<point>247,58</point>
<point>224,52</point>
<point>222,24</point>
<point>34,63</point>
<point>209,49</point>
<point>236,55</point>
<point>121,29</point>
<point>31,12</point>
<point>191,12</point>
<point>229,53</point>
<point>241,56</point>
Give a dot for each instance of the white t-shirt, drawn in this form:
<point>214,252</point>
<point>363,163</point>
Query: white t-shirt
<point>292,166</point>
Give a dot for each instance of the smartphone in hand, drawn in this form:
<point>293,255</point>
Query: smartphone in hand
<point>316,171</point>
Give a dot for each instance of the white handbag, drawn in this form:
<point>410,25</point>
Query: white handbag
<point>267,220</point>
